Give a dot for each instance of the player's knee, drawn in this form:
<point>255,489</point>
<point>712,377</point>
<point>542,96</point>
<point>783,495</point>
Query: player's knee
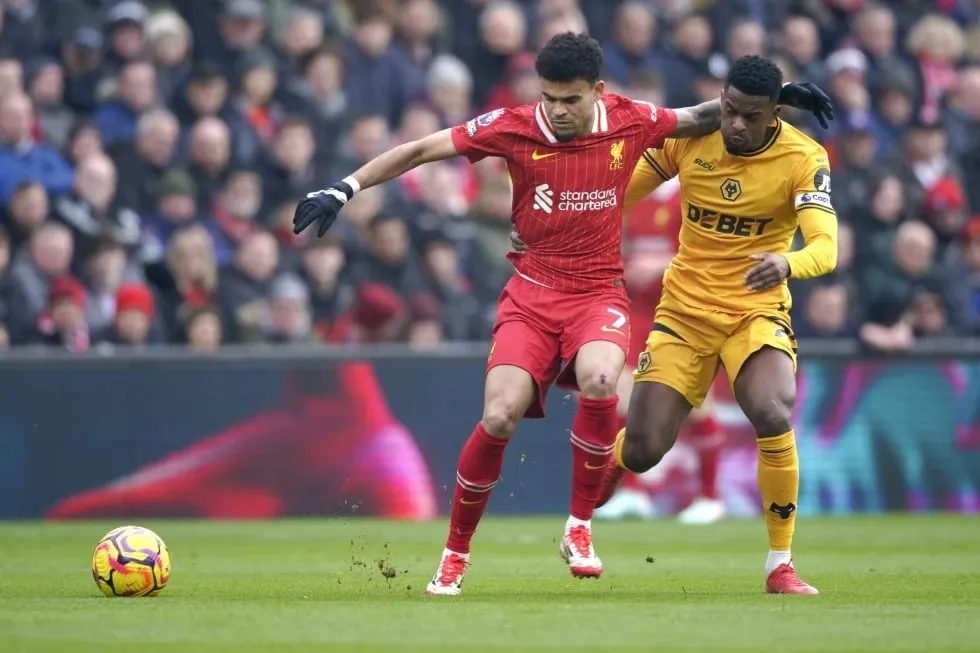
<point>643,450</point>
<point>598,382</point>
<point>772,415</point>
<point>500,417</point>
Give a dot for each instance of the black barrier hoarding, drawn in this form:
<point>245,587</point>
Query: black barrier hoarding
<point>269,433</point>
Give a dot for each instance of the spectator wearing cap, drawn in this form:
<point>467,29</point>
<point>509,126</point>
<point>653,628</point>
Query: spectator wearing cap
<point>288,318</point>
<point>894,103</point>
<point>241,28</point>
<point>136,94</point>
<point>376,80</point>
<point>856,163</point>
<point>62,324</point>
<point>944,209</point>
<point>168,46</point>
<point>632,48</point>
<point>176,207</point>
<point>234,216</point>
<point>81,55</point>
<point>21,157</point>
<point>255,113</point>
<point>133,323</point>
<point>124,27</point>
<point>46,87</point>
<point>142,162</point>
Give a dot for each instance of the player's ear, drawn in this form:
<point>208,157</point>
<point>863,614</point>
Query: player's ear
<point>599,88</point>
<point>775,111</point>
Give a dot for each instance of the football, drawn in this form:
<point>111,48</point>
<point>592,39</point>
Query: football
<point>131,561</point>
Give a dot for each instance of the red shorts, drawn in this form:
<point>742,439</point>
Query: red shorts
<point>540,330</point>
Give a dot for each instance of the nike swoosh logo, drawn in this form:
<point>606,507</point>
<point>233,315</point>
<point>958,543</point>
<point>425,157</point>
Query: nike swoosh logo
<point>537,157</point>
<point>591,466</point>
<point>609,329</point>
<point>470,503</point>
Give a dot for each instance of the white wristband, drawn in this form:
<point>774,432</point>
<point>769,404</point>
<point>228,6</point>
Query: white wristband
<point>354,186</point>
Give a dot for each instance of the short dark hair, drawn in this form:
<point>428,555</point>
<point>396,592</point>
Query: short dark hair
<point>568,57</point>
<point>755,75</point>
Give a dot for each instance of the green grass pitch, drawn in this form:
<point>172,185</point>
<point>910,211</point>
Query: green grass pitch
<point>889,584</point>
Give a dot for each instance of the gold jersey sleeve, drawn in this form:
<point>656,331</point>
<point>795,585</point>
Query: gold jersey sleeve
<point>736,206</point>
<point>654,168</point>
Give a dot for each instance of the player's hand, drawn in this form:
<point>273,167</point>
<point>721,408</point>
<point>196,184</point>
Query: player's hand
<point>516,243</point>
<point>768,272</point>
<point>321,206</point>
<point>809,97</point>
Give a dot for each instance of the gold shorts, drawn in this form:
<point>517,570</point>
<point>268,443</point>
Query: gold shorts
<point>688,345</point>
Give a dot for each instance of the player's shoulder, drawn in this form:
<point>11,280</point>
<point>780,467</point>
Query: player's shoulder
<point>620,104</point>
<point>504,119</point>
<point>798,145</point>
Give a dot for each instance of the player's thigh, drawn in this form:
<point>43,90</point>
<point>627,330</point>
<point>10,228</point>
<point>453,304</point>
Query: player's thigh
<point>671,361</point>
<point>522,364</point>
<point>594,339</point>
<point>761,358</point>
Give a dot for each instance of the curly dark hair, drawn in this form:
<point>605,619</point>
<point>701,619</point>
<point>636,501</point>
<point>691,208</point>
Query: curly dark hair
<point>568,57</point>
<point>755,75</point>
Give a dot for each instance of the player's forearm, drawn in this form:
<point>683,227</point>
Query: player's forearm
<point>819,253</point>
<point>405,157</point>
<point>699,120</point>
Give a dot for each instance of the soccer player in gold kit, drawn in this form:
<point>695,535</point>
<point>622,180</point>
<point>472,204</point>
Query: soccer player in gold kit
<point>746,190</point>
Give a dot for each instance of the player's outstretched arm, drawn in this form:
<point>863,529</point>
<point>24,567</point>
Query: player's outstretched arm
<point>323,206</point>
<point>699,120</point>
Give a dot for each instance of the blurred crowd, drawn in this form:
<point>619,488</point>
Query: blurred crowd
<point>151,154</point>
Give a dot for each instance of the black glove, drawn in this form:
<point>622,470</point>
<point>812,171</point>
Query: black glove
<point>809,97</point>
<point>322,206</point>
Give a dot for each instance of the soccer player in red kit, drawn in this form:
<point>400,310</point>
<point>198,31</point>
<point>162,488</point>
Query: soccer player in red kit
<point>563,315</point>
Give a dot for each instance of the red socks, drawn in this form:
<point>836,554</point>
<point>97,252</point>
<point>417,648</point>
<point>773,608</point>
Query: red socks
<point>593,433</point>
<point>707,441</point>
<point>479,468</point>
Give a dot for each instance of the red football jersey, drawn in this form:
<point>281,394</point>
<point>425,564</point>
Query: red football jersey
<point>651,230</point>
<point>567,202</point>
